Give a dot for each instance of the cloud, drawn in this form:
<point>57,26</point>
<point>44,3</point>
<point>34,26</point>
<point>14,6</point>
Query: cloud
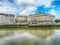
<point>23,7</point>
<point>7,7</point>
<point>46,3</point>
<point>24,2</point>
<point>52,11</point>
<point>31,5</point>
<point>28,10</point>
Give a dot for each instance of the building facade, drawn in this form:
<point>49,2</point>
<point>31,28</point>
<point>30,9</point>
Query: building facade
<point>36,19</point>
<point>41,19</point>
<point>21,20</point>
<point>7,18</point>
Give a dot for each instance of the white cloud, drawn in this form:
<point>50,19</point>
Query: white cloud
<point>46,3</point>
<point>52,11</point>
<point>23,2</point>
<point>28,10</point>
<point>25,7</point>
<point>30,5</point>
<point>7,7</point>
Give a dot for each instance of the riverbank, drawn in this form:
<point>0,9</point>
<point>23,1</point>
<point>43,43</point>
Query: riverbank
<point>26,25</point>
<point>44,25</point>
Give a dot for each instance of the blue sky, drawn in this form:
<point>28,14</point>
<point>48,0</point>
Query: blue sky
<point>28,7</point>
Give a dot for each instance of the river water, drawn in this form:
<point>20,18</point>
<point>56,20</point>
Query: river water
<point>30,36</point>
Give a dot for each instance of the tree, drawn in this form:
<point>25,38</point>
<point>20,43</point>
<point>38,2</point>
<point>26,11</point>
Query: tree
<point>57,20</point>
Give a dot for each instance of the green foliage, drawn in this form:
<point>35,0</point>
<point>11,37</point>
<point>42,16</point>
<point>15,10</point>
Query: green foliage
<point>57,20</point>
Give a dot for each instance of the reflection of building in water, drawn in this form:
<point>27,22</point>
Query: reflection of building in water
<point>39,33</point>
<point>7,18</point>
<point>36,19</point>
<point>4,33</point>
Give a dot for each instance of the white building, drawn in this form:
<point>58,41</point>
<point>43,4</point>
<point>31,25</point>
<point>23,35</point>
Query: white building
<point>7,18</point>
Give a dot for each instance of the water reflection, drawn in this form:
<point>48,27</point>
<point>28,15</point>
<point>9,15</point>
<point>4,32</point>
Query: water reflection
<point>31,36</point>
<point>5,33</point>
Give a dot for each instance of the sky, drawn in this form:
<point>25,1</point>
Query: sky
<point>29,7</point>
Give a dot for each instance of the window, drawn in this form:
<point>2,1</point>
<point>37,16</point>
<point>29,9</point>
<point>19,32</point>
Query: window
<point>34,21</point>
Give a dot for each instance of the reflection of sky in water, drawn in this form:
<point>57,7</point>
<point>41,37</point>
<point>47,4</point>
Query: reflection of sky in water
<point>57,32</point>
<point>56,35</point>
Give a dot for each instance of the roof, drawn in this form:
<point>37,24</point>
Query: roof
<point>42,14</point>
<point>22,16</point>
<point>6,14</point>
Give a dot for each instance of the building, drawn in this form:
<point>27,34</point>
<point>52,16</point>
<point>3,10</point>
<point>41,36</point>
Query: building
<point>41,19</point>
<point>7,18</point>
<point>36,19</point>
<point>21,20</point>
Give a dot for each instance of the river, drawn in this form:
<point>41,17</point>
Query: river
<point>30,36</point>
